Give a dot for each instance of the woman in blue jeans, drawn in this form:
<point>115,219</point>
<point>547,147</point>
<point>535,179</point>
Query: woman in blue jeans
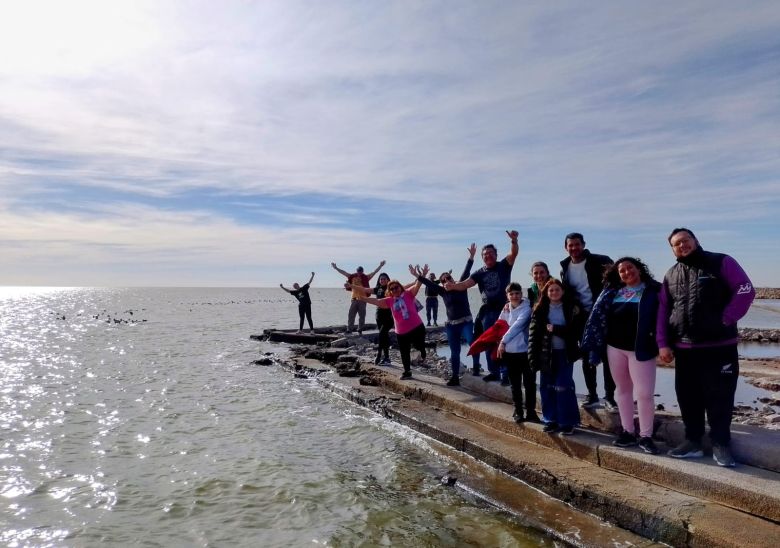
<point>553,348</point>
<point>459,324</point>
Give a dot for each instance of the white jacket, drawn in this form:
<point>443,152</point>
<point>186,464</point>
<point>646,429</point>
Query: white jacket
<point>516,339</point>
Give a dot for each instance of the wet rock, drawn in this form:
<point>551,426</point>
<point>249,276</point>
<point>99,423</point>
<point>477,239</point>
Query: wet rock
<point>340,343</point>
<point>773,419</point>
<point>332,354</point>
<point>315,354</point>
<point>369,380</point>
<point>263,361</point>
<point>660,406</point>
<point>771,400</point>
<point>347,358</point>
<point>349,369</point>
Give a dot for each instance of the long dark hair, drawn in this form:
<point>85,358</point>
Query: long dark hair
<point>612,277</point>
<point>544,300</point>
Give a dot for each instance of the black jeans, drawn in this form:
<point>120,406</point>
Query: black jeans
<point>590,372</point>
<point>521,376</point>
<point>304,311</point>
<point>384,323</point>
<point>705,380</point>
<point>414,338</point>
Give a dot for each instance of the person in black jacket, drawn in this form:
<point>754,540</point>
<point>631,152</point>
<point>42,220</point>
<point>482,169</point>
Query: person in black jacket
<point>553,347</point>
<point>582,274</point>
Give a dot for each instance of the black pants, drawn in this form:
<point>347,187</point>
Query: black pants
<point>304,311</point>
<point>590,372</point>
<point>705,380</point>
<point>384,323</point>
<point>414,338</point>
<point>432,309</point>
<point>521,376</point>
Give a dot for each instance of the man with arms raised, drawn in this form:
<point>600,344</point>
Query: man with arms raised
<point>492,280</point>
<point>702,298</point>
<point>355,283</point>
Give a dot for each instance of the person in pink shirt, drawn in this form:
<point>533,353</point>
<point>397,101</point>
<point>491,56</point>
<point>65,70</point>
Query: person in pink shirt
<point>409,327</point>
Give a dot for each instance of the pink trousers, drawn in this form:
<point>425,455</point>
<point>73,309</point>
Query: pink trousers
<point>633,379</point>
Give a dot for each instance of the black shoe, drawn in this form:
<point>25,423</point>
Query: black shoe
<point>567,430</point>
<point>491,377</point>
<point>518,417</point>
<point>647,445</point>
<point>531,416</point>
<point>550,427</point>
<point>476,372</point>
<point>590,401</point>
<point>378,359</point>
<point>625,439</point>
<point>386,361</point>
<point>428,324</point>
<point>610,404</point>
<point>406,375</point>
<point>454,381</point>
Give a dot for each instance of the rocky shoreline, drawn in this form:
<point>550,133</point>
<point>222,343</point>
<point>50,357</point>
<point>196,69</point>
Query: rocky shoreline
<point>768,293</point>
<point>330,346</point>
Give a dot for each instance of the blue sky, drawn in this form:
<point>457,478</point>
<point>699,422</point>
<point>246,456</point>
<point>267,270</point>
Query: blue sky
<point>247,144</point>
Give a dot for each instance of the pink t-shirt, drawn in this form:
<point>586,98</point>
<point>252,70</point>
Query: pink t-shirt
<point>404,312</point>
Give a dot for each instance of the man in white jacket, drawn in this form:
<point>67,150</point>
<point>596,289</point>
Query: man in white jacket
<point>513,349</point>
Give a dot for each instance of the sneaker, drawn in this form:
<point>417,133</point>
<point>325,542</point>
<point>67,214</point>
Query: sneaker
<point>476,372</point>
<point>428,324</point>
<point>722,456</point>
<point>454,381</point>
<point>491,377</point>
<point>647,445</point>
<point>567,430</point>
<point>378,359</point>
<point>518,417</point>
<point>590,401</point>
<point>687,450</point>
<point>610,404</point>
<point>504,382</point>
<point>550,427</point>
<point>386,361</point>
<point>625,439</point>
<point>531,416</point>
<point>406,375</point>
<point>435,324</point>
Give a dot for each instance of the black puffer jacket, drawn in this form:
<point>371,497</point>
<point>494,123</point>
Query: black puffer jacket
<point>540,340</point>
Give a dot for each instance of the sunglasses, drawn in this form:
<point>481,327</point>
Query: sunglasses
<point>394,287</point>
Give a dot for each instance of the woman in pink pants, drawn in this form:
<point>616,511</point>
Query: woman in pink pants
<point>622,326</point>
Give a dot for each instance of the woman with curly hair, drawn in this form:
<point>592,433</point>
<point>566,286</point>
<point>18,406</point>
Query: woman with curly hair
<point>622,325</point>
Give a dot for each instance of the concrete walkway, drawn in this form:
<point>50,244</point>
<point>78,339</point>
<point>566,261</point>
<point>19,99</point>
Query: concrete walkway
<point>682,503</point>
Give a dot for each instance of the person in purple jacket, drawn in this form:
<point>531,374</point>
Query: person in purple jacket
<point>702,298</point>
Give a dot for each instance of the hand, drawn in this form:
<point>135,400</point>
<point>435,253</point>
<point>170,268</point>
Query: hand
<point>334,266</point>
<point>448,286</point>
<point>501,350</point>
<point>281,285</point>
<point>424,269</point>
<point>513,234</point>
<point>550,327</point>
<point>415,271</point>
<point>506,307</point>
<point>312,274</point>
<point>347,285</point>
<point>381,263</point>
<point>666,354</point>
<point>472,250</point>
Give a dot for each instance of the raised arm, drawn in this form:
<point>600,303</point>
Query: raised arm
<point>284,288</point>
<point>513,248</point>
<point>469,263</point>
<point>376,302</point>
<point>377,269</point>
<point>311,279</point>
<point>417,284</point>
<point>342,272</point>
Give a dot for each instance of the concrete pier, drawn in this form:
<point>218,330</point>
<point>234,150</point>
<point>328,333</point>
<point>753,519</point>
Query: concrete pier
<point>678,502</point>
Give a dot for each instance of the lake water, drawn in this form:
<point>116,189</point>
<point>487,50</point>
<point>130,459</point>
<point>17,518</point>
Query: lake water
<point>135,416</point>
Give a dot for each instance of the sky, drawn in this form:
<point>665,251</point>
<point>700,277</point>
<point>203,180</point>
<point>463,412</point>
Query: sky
<point>248,144</point>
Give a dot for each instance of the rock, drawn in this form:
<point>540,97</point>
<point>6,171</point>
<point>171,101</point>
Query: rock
<point>660,406</point>
<point>332,354</point>
<point>340,343</point>
<point>347,358</point>
<point>368,380</point>
<point>315,354</point>
<point>263,361</point>
<point>448,480</point>
<point>773,419</point>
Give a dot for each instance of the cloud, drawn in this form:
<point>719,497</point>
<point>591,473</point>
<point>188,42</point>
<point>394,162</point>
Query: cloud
<point>434,121</point>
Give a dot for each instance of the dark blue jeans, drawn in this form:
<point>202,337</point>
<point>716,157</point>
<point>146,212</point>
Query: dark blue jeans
<point>559,401</point>
<point>465,331</point>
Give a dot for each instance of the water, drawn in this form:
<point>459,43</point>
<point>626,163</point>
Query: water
<point>148,425</point>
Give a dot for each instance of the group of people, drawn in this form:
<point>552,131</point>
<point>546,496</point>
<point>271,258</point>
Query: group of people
<point>602,312</point>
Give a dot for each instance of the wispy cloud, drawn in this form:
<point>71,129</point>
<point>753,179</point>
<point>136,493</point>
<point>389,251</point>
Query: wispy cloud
<point>309,132</point>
